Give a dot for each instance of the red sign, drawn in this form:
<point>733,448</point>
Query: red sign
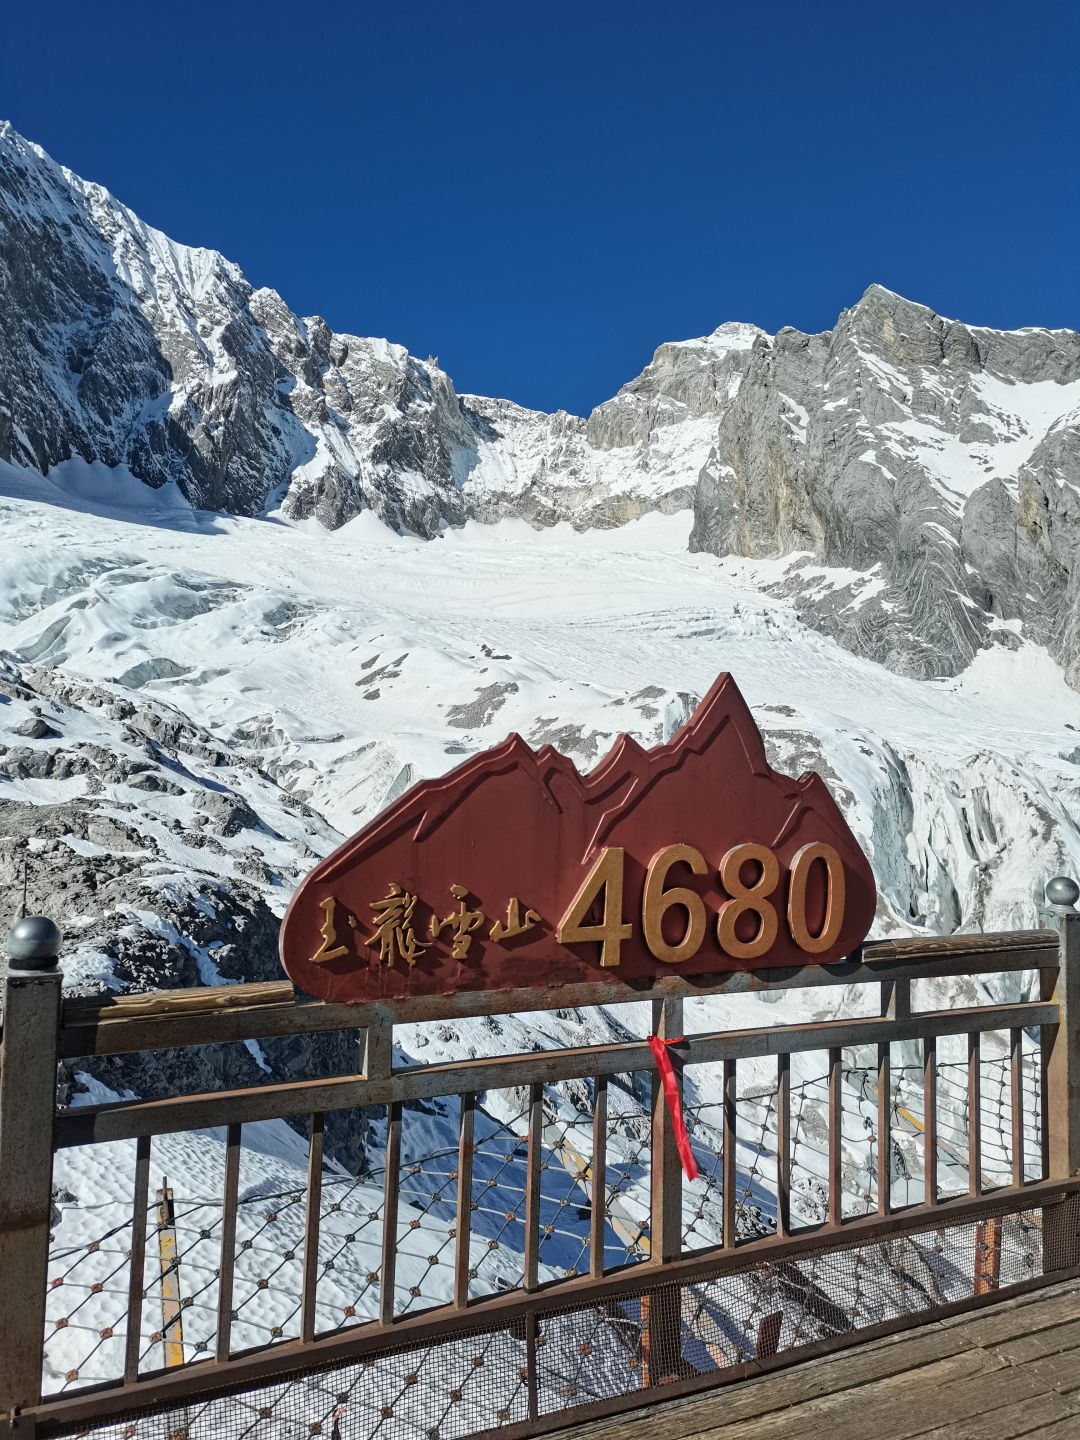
<point>514,870</point>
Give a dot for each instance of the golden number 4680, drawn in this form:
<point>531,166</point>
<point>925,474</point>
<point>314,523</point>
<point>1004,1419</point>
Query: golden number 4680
<point>604,883</point>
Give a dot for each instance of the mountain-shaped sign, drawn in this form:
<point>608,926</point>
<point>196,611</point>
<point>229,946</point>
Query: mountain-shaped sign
<point>515,870</point>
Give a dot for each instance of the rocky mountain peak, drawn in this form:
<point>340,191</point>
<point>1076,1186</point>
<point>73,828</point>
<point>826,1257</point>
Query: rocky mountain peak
<point>918,474</point>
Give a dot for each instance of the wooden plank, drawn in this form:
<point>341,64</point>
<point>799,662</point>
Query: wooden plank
<point>201,1015</point>
<point>935,947</point>
<point>1005,1320</point>
<point>127,1119</point>
<point>962,1387</point>
<point>966,1399</point>
<point>821,1415</point>
<point>1005,1423</point>
<point>1061,1372</point>
<point>1059,1430</point>
<point>1052,1340</point>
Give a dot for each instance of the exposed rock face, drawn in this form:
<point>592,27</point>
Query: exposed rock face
<point>119,346</point>
<point>920,476</point>
<point>941,464</point>
<point>147,900</point>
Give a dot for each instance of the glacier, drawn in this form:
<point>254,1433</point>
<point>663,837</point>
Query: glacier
<point>258,577</point>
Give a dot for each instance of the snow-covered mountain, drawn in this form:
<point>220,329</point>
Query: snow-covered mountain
<point>916,478</point>
<point>242,554</point>
<point>257,577</point>
<point>193,706</point>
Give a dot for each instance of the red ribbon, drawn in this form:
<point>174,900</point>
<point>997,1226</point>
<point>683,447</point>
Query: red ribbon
<point>666,1070</point>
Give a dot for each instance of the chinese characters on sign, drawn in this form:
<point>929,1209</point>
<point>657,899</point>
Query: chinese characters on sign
<point>395,935</point>
<point>603,887</point>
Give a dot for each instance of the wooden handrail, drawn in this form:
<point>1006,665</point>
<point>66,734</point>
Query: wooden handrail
<point>203,1015</point>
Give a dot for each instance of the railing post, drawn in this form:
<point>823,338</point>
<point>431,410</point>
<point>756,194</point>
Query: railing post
<point>666,1220</point>
<point>1061,1076</point>
<point>27,1117</point>
<point>661,1347</point>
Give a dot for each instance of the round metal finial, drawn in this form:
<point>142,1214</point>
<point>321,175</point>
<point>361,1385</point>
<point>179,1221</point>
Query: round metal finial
<point>1063,891</point>
<point>34,944</point>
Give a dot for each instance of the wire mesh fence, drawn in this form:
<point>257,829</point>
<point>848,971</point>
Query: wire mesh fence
<point>574,1360</point>
<point>591,1150</point>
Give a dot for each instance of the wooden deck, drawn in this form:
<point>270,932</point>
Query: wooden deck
<point>1006,1371</point>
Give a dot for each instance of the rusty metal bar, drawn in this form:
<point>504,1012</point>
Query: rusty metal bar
<point>974,1101</point>
<point>463,1221</point>
<point>204,1015</point>
<point>391,1187</point>
<point>312,1223</point>
<point>137,1273</point>
<point>1062,1081</point>
<point>599,1179</point>
<point>768,1335</point>
<point>783,1145</point>
<point>930,1184</point>
<point>884,1129</point>
<point>531,1380</point>
<point>227,1265</point>
<point>987,1255</point>
<point>27,1113</point>
<point>1045,1042</point>
<point>532,1187</point>
<point>513,1308</point>
<point>836,1110</point>
<point>729,1178</point>
<point>1016,1092</point>
<point>127,1119</point>
<point>1061,1090</point>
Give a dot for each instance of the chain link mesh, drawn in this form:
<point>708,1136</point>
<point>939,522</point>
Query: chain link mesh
<point>89,1281</point>
<point>632,1344</point>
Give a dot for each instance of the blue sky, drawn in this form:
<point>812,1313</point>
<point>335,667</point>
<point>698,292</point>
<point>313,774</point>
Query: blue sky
<point>540,194</point>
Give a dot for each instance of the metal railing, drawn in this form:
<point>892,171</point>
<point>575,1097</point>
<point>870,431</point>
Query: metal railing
<point>555,1259</point>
